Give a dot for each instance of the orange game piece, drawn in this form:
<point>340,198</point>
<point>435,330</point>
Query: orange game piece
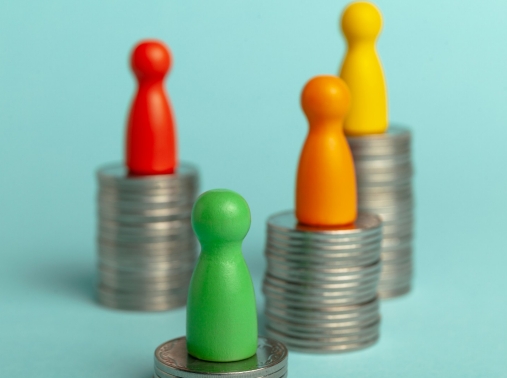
<point>326,182</point>
<point>151,130</point>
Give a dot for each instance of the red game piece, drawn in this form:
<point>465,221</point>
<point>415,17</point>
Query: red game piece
<point>151,130</point>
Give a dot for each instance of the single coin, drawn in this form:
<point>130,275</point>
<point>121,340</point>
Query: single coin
<point>115,174</point>
<point>172,358</point>
<point>166,305</point>
<point>321,347</point>
<point>285,222</point>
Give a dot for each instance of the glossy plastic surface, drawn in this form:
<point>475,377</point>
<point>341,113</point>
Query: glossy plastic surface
<point>362,71</point>
<point>326,183</point>
<point>151,130</point>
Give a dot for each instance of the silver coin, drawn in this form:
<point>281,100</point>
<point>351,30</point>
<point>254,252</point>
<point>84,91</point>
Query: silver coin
<point>141,296</point>
<point>297,311</point>
<point>320,346</point>
<point>120,198</point>
<point>316,319</point>
<point>111,210</point>
<point>172,358</point>
<point>394,134</point>
<point>121,280</point>
<point>397,263</point>
<point>396,256</point>
<point>148,261</point>
<point>115,174</point>
<point>329,248</point>
<point>393,160</point>
<point>282,373</point>
<point>395,282</point>
<point>145,263</point>
<point>183,188</point>
<point>395,278</point>
<point>364,171</point>
<point>399,220</point>
<point>336,298</point>
<point>146,276</point>
<point>393,178</point>
<point>154,275</point>
<point>132,297</point>
<point>370,306</point>
<point>324,244</point>
<point>145,228</point>
<point>343,276</point>
<point>318,327</point>
<point>163,196</point>
<point>323,341</point>
<point>161,247</point>
<point>166,305</point>
<point>279,374</point>
<point>150,289</point>
<point>320,300</point>
<point>387,189</point>
<point>296,331</point>
<point>317,252</point>
<point>366,151</point>
<point>394,285</point>
<point>275,294</point>
<point>312,329</point>
<point>350,282</point>
<point>139,232</point>
<point>318,261</point>
<point>130,207</point>
<point>389,233</point>
<point>386,203</point>
<point>286,223</point>
<point>387,293</point>
<point>136,240</point>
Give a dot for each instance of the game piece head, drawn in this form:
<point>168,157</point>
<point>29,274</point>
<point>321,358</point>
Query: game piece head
<point>361,20</point>
<point>325,98</point>
<point>151,59</point>
<point>221,216</point>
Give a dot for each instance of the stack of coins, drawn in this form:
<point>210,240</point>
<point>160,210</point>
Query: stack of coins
<point>321,284</point>
<point>172,361</point>
<point>384,182</point>
<point>146,247</point>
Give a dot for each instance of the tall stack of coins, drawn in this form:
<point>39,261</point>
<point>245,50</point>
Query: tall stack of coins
<point>146,246</point>
<point>384,182</point>
<point>173,361</point>
<point>321,284</point>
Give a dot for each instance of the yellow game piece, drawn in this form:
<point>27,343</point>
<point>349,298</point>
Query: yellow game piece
<point>362,71</point>
<point>326,181</point>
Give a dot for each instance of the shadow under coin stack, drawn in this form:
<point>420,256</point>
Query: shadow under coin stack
<point>146,246</point>
<point>147,249</point>
<point>384,182</point>
<point>323,260</point>
<point>321,284</point>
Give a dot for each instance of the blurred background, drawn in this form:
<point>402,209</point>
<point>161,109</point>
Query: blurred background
<point>239,67</point>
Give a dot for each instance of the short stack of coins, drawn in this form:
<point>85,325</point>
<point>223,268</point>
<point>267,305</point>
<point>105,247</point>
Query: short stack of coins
<point>384,183</point>
<point>321,284</point>
<point>173,361</point>
<point>146,246</point>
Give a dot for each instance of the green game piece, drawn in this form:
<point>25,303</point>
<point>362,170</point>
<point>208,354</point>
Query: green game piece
<point>221,311</point>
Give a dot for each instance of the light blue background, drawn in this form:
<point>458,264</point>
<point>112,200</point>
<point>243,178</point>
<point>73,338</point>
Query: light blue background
<point>239,67</point>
